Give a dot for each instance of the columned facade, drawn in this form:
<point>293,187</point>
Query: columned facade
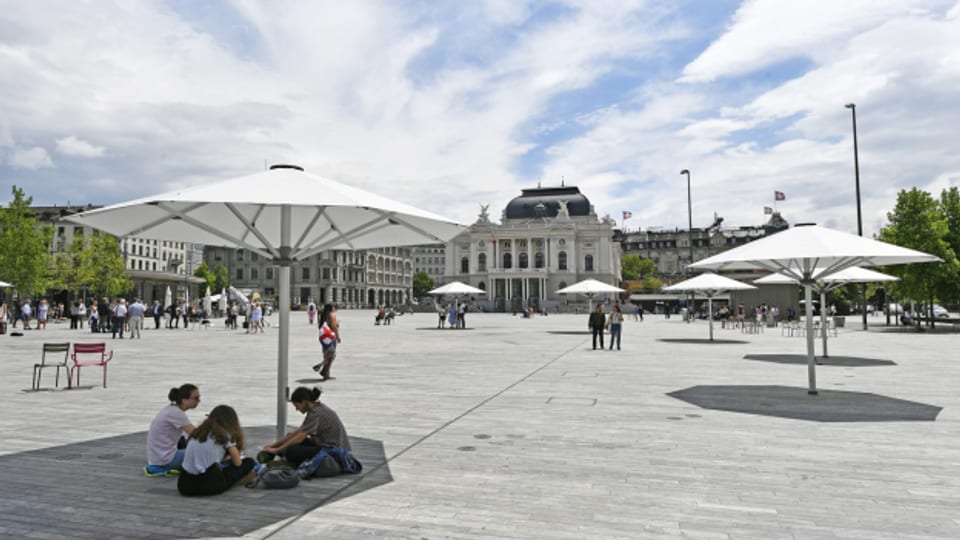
<point>549,238</point>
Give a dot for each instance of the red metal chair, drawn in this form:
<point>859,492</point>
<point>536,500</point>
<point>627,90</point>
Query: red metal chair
<point>89,354</point>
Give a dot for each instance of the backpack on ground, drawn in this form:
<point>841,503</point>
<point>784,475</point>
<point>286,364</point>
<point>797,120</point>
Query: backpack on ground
<point>277,478</point>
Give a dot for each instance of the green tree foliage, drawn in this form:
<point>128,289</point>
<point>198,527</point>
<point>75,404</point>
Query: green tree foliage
<point>632,267</point>
<point>72,268</point>
<point>204,272</point>
<point>221,277</point>
<point>422,282</point>
<point>950,206</point>
<point>105,263</point>
<point>918,222</point>
<point>24,246</point>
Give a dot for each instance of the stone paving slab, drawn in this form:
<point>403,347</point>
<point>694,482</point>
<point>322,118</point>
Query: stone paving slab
<point>517,429</point>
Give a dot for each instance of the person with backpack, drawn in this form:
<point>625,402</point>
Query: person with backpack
<point>321,429</point>
<point>213,461</point>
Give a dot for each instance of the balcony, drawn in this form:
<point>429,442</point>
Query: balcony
<point>504,271</point>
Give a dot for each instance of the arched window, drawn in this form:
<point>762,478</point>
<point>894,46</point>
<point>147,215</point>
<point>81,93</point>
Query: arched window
<point>538,260</point>
<point>562,260</point>
<point>524,260</point>
<point>482,262</point>
<point>465,265</point>
<point>563,285</point>
<point>507,260</point>
<point>588,263</point>
<point>482,286</point>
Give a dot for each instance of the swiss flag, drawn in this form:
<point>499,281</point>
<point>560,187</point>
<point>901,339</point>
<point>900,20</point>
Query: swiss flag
<point>767,210</point>
<point>627,215</point>
<point>779,196</point>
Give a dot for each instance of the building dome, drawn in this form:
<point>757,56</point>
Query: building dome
<point>545,202</point>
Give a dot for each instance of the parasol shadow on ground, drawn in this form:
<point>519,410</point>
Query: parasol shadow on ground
<point>704,341</point>
<point>801,359</point>
<point>97,489</point>
<point>795,403</point>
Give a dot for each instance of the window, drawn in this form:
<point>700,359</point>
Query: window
<point>254,274</point>
<point>482,262</point>
<point>563,285</point>
<point>305,273</point>
<point>77,231</point>
<point>154,267</point>
<point>588,263</point>
<point>538,260</point>
<point>465,265</point>
<point>269,272</point>
<point>239,274</point>
<point>326,273</point>
<point>482,286</point>
<point>524,260</point>
<point>507,260</point>
<point>562,260</point>
<point>253,256</point>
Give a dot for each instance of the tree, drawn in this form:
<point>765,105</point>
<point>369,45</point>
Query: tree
<point>71,269</point>
<point>917,222</point>
<point>24,246</point>
<point>221,277</point>
<point>632,267</point>
<point>106,265</point>
<point>422,282</point>
<point>204,272</point>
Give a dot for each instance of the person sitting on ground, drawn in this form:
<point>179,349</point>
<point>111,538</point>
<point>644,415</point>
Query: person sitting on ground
<point>321,428</point>
<point>213,461</point>
<point>165,441</point>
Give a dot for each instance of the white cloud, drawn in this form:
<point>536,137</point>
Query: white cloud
<point>30,158</point>
<point>72,146</point>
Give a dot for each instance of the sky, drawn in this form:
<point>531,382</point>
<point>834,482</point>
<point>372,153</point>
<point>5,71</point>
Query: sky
<point>450,105</point>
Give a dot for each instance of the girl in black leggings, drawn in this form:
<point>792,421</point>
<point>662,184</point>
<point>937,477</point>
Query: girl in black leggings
<point>213,462</point>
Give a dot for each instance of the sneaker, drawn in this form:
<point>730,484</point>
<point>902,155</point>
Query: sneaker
<point>317,367</point>
<point>152,471</point>
<point>172,472</point>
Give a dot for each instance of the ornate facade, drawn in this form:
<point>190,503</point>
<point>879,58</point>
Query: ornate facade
<point>548,238</point>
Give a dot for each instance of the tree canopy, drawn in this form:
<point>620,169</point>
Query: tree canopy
<point>918,221</point>
<point>632,267</point>
<point>422,282</point>
<point>24,246</point>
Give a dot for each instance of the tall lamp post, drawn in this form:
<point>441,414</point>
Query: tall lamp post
<point>690,237</point>
<point>856,172</point>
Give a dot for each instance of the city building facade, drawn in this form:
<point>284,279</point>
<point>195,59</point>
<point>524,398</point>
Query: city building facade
<point>548,238</point>
<point>349,279</point>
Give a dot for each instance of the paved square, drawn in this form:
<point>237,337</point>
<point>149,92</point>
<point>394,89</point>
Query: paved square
<point>516,428</point>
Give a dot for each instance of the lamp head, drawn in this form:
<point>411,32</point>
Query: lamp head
<point>685,171</point>
<point>851,106</point>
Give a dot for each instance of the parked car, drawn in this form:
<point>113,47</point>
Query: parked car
<point>940,312</point>
<point>896,309</point>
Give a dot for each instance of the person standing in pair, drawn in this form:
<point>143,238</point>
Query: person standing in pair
<point>616,326</point>
<point>596,323</point>
<point>329,340</point>
<point>135,316</point>
<point>119,317</point>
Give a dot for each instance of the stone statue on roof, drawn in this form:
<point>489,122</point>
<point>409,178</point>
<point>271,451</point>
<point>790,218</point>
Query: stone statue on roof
<point>562,212</point>
<point>483,216</point>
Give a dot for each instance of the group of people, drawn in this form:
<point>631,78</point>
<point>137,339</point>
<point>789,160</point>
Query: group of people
<point>24,312</point>
<point>599,321</point>
<point>208,459</point>
<point>452,314</point>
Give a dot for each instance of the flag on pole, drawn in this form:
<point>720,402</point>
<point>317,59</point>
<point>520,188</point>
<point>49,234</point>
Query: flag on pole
<point>767,210</point>
<point>779,196</point>
<point>627,215</point>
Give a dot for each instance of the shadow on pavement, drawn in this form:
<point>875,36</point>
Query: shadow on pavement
<point>570,332</point>
<point>792,402</point>
<point>844,361</point>
<point>703,341</point>
<point>97,489</point>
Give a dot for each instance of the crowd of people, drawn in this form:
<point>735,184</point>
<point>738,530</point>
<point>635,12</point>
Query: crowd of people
<point>452,315</point>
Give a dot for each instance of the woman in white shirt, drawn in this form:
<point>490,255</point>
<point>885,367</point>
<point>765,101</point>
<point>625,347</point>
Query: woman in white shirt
<point>214,461</point>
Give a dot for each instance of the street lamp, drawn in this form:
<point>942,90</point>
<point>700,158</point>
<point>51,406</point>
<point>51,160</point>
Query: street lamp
<point>856,172</point>
<point>689,237</point>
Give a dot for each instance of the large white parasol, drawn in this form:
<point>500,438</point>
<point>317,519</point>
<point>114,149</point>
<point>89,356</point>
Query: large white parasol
<point>809,253</point>
<point>590,287</point>
<point>710,285</point>
<point>283,214</point>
